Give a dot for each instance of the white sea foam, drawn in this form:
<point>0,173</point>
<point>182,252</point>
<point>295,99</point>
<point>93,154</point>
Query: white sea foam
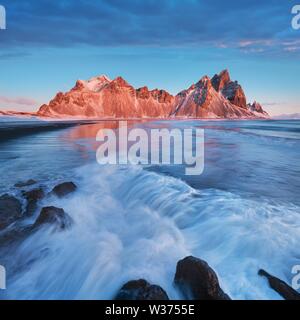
<point>131,223</point>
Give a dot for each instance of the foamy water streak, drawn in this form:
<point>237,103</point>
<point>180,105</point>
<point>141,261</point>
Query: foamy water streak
<point>131,224</point>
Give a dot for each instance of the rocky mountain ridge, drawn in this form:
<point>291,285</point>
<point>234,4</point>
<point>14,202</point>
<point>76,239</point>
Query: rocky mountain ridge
<point>100,97</point>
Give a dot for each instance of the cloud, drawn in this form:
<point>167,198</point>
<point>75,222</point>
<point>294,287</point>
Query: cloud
<point>18,101</point>
<point>274,104</point>
<point>13,55</point>
<point>251,23</point>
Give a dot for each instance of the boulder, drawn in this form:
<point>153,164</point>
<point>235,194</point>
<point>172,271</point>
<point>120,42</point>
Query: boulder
<point>197,280</point>
<point>64,189</point>
<point>35,194</point>
<point>27,183</point>
<point>54,216</point>
<point>32,197</point>
<point>287,292</point>
<point>10,210</point>
<point>141,290</point>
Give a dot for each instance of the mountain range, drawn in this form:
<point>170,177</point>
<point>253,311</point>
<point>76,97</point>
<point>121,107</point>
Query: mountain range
<point>100,97</point>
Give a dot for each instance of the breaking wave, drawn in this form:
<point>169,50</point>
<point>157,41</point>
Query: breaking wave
<point>131,223</point>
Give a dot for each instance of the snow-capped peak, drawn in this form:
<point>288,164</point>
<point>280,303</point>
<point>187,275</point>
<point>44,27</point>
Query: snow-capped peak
<point>96,83</point>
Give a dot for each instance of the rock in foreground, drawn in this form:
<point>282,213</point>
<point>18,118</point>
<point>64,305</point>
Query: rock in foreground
<point>54,216</point>
<point>64,189</point>
<point>27,183</point>
<point>32,197</point>
<point>141,290</point>
<point>197,280</point>
<point>10,210</point>
<point>287,292</point>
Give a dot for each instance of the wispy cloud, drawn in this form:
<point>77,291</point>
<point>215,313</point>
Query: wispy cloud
<point>259,42</point>
<point>13,55</point>
<point>274,104</point>
<point>18,101</point>
<point>251,26</point>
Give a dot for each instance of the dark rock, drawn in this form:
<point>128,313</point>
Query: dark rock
<point>27,183</point>
<point>32,197</point>
<point>54,216</point>
<point>141,290</point>
<point>235,94</point>
<point>35,194</point>
<point>15,235</point>
<point>231,90</point>
<point>64,189</point>
<point>219,81</point>
<point>287,292</point>
<point>197,281</point>
<point>10,210</point>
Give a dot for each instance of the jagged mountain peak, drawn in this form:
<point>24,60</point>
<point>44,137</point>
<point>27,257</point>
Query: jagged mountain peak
<point>231,90</point>
<point>121,82</point>
<point>94,84</point>
<point>100,97</point>
<point>225,73</point>
<point>256,107</point>
<point>219,81</point>
<point>205,80</point>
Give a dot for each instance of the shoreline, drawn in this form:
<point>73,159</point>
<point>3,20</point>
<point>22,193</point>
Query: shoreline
<point>72,119</point>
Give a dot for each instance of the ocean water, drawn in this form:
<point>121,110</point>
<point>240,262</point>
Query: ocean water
<point>132,222</point>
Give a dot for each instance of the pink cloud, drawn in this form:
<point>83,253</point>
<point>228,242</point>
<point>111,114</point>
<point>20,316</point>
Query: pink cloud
<point>18,100</point>
<point>248,43</point>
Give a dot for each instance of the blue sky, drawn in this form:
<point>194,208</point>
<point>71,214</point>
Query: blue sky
<point>169,44</point>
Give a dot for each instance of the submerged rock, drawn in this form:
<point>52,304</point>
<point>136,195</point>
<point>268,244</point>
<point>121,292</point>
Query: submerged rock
<point>287,292</point>
<point>141,290</point>
<point>64,189</point>
<point>197,280</point>
<point>32,197</point>
<point>54,216</point>
<point>27,183</point>
<point>15,235</point>
<point>10,210</point>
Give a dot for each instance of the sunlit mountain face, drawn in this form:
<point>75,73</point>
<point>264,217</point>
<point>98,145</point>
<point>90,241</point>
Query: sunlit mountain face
<point>101,97</point>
